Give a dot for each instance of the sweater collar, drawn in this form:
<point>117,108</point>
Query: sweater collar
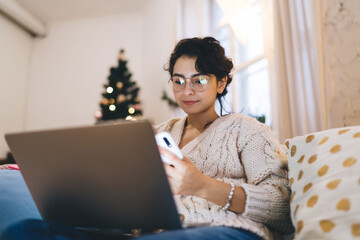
<point>190,145</point>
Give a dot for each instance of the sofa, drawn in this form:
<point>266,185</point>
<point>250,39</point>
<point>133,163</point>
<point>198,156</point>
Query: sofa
<point>16,202</point>
<point>324,176</point>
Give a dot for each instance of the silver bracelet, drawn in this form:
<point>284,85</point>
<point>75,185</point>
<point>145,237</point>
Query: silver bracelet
<point>229,198</point>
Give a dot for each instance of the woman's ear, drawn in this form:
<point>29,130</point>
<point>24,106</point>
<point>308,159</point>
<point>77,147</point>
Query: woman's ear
<point>221,85</point>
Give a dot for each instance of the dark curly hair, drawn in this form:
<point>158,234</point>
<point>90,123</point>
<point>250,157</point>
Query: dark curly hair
<point>210,59</point>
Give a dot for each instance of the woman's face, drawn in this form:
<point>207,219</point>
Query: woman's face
<point>191,101</point>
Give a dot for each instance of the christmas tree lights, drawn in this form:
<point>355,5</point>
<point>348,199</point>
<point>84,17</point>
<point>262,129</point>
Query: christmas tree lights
<point>120,98</point>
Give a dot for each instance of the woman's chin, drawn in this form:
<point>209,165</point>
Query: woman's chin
<point>190,110</point>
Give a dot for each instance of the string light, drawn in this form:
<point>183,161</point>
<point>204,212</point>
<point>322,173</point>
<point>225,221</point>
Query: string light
<point>109,89</point>
<point>128,118</point>
<point>98,114</point>
<point>112,107</point>
<point>131,110</point>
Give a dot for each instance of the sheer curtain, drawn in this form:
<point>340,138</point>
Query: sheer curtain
<point>298,95</point>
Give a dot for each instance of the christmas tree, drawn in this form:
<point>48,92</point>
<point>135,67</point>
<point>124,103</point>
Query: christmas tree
<point>120,98</point>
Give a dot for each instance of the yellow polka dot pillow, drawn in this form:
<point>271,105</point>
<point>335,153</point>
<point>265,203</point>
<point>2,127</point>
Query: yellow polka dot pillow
<point>324,173</point>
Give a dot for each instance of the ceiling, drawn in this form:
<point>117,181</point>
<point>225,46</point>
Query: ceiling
<point>59,10</point>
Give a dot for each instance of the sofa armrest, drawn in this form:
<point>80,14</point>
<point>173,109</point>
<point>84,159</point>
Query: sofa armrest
<point>16,202</point>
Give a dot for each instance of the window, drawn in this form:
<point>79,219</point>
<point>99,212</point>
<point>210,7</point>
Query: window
<point>249,93</point>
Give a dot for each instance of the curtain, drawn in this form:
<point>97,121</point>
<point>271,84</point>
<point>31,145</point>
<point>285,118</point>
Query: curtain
<point>298,94</point>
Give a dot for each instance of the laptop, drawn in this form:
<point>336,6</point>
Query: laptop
<point>101,176</point>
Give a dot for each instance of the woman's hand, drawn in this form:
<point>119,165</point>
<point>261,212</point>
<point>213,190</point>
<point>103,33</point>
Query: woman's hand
<point>184,177</point>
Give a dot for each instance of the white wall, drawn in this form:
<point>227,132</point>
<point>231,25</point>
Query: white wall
<point>160,32</point>
<point>15,49</point>
<point>70,65</point>
<point>342,61</point>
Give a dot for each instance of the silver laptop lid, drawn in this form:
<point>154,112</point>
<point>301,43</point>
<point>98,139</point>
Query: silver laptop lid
<point>97,176</point>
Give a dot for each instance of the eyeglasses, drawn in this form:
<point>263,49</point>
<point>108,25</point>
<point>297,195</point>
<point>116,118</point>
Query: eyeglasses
<point>197,83</point>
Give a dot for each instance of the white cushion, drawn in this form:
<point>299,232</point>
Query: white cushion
<point>324,173</point>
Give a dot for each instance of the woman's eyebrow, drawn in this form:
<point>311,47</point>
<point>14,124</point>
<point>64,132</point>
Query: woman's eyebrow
<point>193,75</point>
<point>179,75</point>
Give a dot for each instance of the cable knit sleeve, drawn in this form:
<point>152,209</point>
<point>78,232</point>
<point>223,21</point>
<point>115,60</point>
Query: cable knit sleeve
<point>266,188</point>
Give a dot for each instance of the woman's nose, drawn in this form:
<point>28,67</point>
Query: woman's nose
<point>188,90</point>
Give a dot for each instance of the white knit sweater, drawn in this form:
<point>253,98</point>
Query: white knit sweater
<point>239,149</point>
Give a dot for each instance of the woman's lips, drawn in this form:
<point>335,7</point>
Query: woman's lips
<point>189,102</point>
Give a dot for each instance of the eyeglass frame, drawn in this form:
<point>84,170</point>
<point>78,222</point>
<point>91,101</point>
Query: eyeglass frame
<point>171,82</point>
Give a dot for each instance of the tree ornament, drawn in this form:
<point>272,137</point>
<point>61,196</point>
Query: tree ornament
<point>137,107</point>
<point>119,85</point>
<point>104,101</point>
<point>121,98</point>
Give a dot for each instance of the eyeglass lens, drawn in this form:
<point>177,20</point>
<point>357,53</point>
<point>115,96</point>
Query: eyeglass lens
<point>198,83</point>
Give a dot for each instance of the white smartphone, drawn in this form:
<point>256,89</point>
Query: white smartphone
<point>165,140</point>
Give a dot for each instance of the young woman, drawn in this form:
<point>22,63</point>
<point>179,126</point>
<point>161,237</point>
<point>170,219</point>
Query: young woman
<point>234,173</point>
<point>233,177</point>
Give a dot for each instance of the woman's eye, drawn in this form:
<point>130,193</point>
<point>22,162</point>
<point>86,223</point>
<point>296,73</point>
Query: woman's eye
<point>179,81</point>
<point>201,80</point>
